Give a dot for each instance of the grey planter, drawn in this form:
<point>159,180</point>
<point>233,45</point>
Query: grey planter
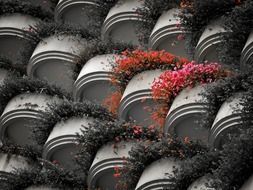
<point>184,114</point>
<point>137,103</point>
<point>93,82</point>
<point>121,22</point>
<point>203,183</point>
<point>165,34</point>
<point>20,114</point>
<point>247,51</point>
<point>41,188</point>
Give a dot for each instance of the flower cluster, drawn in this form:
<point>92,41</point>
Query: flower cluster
<point>171,82</point>
<point>133,62</point>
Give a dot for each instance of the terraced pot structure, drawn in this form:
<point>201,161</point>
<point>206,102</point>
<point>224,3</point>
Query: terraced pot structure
<point>54,58</point>
<point>10,162</point>
<point>22,112</point>
<point>158,175</point>
<point>168,35</point>
<point>227,121</point>
<point>121,22</point>
<point>93,82</point>
<point>76,12</point>
<point>14,35</point>
<point>206,48</point>
<point>247,52</point>
<point>61,145</point>
<point>185,113</point>
<point>101,174</point>
<point>137,103</point>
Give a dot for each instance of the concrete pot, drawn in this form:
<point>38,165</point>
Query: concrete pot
<point>227,120</point>
<point>137,102</point>
<point>20,114</point>
<point>53,60</point>
<point>206,48</point>
<point>156,176</point>
<point>8,164</point>
<point>75,12</point>
<point>102,169</point>
<point>166,33</point>
<point>61,145</point>
<point>93,82</point>
<point>121,22</point>
<point>184,114</point>
<point>248,184</point>
<point>13,34</point>
<point>247,51</point>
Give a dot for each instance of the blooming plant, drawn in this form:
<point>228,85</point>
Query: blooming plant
<point>171,82</point>
<point>134,62</point>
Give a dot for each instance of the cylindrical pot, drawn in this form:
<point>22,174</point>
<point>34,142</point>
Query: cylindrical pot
<point>13,34</point>
<point>206,49</point>
<point>137,103</point>
<point>53,60</point>
<point>8,164</point>
<point>247,51</point>
<point>76,11</point>
<point>61,145</point>
<point>21,114</point>
<point>203,183</point>
<point>184,114</point>
<point>108,159</point>
<point>93,82</point>
<point>121,22</point>
<point>158,175</point>
<point>168,35</point>
<point>227,121</point>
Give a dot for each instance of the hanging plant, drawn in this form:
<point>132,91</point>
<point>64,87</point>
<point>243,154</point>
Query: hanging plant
<point>192,169</point>
<point>101,133</point>
<point>99,47</point>
<point>134,62</point>
<point>145,154</point>
<point>44,30</point>
<point>15,86</point>
<point>170,83</point>
<point>46,174</point>
<point>200,12</point>
<point>25,7</point>
<point>236,163</point>
<point>150,13</point>
<point>64,111</point>
<point>238,22</point>
<point>217,93</point>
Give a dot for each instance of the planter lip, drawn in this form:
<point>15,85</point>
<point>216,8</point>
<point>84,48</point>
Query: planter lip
<point>38,59</point>
<point>57,144</point>
<point>112,22</point>
<point>181,112</point>
<point>128,101</point>
<point>81,84</point>
<point>245,55</point>
<point>223,124</point>
<point>15,32</point>
<point>96,172</point>
<point>201,51</point>
<point>8,118</point>
<point>63,5</point>
<point>162,33</point>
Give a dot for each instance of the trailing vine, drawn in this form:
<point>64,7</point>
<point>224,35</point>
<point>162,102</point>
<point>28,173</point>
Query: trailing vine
<point>199,13</point>
<point>238,22</point>
<point>13,68</point>
<point>145,153</point>
<point>25,7</point>
<point>14,86</point>
<point>101,133</point>
<point>64,111</point>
